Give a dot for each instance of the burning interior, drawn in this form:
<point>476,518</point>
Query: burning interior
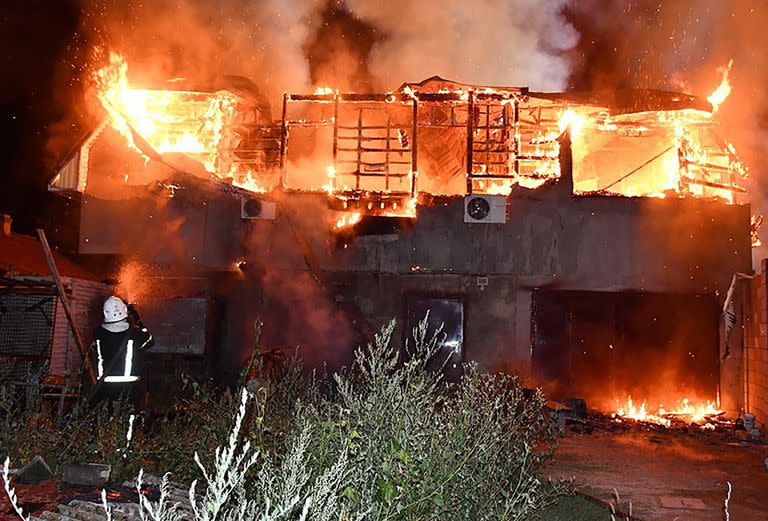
<point>381,152</point>
<point>574,183</point>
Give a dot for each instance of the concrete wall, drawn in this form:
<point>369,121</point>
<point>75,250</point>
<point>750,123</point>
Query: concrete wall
<point>551,239</point>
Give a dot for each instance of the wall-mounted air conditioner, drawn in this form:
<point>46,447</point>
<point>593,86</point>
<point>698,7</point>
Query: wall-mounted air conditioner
<point>485,209</point>
<point>257,208</point>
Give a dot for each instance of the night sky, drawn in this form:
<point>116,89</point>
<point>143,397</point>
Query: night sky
<point>33,36</point>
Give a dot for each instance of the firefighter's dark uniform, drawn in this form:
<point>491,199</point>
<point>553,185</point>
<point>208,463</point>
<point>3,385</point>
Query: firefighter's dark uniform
<point>121,379</point>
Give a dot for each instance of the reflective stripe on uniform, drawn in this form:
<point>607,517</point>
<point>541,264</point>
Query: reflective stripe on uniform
<point>145,330</point>
<point>101,358</point>
<point>128,359</point>
<point>126,376</point>
<point>120,379</point>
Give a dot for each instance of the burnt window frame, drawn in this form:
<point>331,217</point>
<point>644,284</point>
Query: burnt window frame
<point>408,332</point>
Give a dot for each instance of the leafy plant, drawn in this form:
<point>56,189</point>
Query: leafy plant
<point>392,441</point>
<point>422,448</point>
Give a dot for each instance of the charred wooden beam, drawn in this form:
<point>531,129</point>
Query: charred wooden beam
<point>470,138</point>
<point>710,184</point>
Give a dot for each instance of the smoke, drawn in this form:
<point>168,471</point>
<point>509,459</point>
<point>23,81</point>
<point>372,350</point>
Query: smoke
<point>338,50</point>
<point>289,45</point>
<point>299,311</point>
<point>202,40</point>
<point>486,42</point>
<point>647,44</point>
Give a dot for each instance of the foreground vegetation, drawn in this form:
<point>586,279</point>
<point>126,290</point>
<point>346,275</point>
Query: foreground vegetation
<point>384,440</point>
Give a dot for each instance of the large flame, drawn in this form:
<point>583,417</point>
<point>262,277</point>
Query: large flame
<point>698,413</point>
<point>169,121</point>
<point>572,119</point>
<point>723,90</point>
<point>675,157</point>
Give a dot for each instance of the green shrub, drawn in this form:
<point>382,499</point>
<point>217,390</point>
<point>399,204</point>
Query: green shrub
<point>388,440</point>
<point>421,448</point>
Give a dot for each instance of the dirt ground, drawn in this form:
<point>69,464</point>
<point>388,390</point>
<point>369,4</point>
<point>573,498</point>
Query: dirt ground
<point>669,475</point>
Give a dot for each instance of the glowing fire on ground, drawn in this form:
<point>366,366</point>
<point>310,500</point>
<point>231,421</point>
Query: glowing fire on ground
<point>699,413</point>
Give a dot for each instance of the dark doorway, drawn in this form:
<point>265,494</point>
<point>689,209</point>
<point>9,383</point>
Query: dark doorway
<point>603,346</point>
<point>447,316</point>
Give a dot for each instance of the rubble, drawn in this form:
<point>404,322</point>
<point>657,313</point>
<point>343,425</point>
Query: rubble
<point>34,471</point>
<point>86,511</point>
<point>597,421</point>
<point>122,500</point>
<point>578,408</point>
<point>557,414</point>
<point>86,474</point>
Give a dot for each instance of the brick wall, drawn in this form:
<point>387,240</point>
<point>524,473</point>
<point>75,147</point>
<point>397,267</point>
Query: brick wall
<point>755,358</point>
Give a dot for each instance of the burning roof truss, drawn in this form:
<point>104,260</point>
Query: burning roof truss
<point>379,152</point>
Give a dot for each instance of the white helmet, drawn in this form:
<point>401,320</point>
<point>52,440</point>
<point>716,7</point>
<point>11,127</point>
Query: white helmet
<point>115,310</point>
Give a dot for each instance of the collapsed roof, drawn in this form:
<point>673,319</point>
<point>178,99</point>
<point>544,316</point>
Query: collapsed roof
<point>437,137</point>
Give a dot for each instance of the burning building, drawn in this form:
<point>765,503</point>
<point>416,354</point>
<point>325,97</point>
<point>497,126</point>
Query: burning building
<point>585,241</point>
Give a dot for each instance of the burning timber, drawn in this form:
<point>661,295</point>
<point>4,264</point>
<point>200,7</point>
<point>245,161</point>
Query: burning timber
<point>381,153</point>
<point>585,242</point>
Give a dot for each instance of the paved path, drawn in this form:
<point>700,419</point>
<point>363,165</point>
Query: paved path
<point>669,475</point>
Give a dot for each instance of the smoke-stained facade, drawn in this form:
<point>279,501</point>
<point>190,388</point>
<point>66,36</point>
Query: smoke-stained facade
<point>321,289</point>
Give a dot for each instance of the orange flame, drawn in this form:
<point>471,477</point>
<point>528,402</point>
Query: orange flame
<point>329,187</point>
<point>722,92</point>
<point>347,220</point>
<point>572,119</point>
<point>198,125</point>
<point>169,121</point>
<point>249,182</point>
<point>693,413</point>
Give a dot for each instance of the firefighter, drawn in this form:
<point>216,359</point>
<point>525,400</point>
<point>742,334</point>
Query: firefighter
<point>117,352</point>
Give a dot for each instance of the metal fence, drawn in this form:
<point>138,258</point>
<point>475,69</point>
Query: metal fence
<point>26,334</point>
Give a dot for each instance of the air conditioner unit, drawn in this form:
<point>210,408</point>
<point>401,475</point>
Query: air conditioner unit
<point>256,208</point>
<point>485,209</point>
